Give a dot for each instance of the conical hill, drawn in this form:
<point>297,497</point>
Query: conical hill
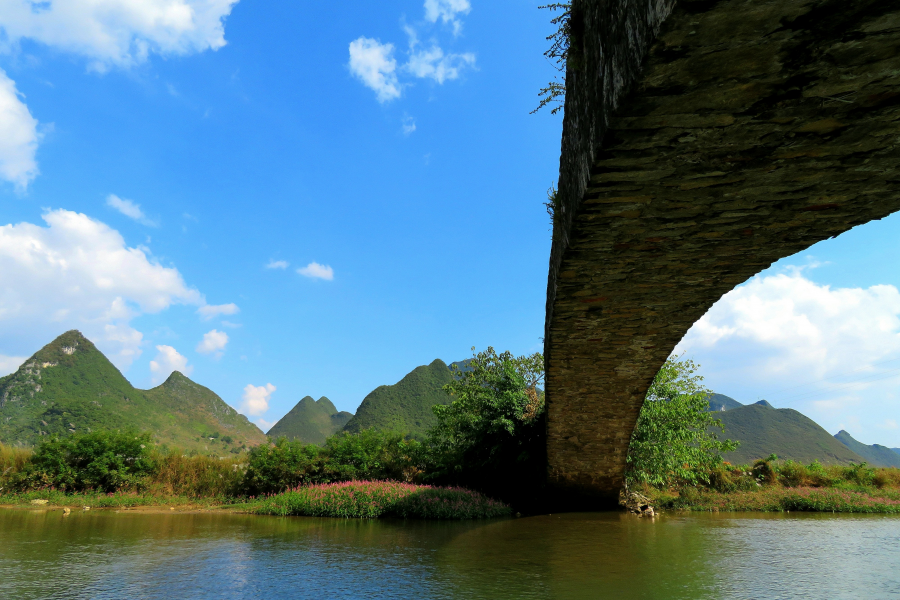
<point>311,421</point>
<point>405,407</point>
<point>69,386</point>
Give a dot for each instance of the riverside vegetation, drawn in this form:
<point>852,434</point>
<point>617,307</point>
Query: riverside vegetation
<point>675,460</point>
<point>488,437</point>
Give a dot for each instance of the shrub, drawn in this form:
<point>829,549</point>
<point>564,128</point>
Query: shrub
<point>281,466</point>
<point>860,474</point>
<point>12,461</point>
<point>196,476</point>
<point>102,461</point>
<point>373,455</point>
<point>764,469</point>
<point>373,499</point>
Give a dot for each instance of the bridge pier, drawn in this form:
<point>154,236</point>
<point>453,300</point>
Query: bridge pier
<point>702,141</point>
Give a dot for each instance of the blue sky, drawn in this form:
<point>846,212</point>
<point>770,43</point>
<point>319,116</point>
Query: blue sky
<point>285,201</point>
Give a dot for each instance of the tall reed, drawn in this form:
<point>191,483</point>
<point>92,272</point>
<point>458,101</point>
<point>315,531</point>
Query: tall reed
<point>196,476</point>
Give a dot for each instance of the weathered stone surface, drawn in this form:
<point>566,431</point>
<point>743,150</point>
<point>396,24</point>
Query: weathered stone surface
<point>755,129</point>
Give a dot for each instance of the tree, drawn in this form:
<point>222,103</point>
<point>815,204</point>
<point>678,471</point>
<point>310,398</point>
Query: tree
<point>672,441</point>
<point>493,428</point>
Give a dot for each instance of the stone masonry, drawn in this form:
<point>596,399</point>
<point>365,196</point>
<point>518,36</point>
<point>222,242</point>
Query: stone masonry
<point>750,130</point>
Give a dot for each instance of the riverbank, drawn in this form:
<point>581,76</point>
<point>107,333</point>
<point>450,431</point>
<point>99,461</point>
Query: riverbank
<point>781,486</point>
<point>352,499</point>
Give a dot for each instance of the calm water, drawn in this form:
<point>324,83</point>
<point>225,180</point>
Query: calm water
<point>129,555</point>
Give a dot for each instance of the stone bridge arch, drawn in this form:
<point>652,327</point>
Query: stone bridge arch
<point>703,140</point>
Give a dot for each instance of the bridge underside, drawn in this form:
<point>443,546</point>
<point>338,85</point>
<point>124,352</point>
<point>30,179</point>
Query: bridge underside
<point>755,129</point>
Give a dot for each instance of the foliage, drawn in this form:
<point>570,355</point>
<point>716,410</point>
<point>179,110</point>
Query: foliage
<point>345,456</point>
<point>102,461</point>
<point>283,465</point>
<point>495,421</point>
<point>558,54</point>
<point>373,499</point>
<point>198,476</point>
<point>672,442</point>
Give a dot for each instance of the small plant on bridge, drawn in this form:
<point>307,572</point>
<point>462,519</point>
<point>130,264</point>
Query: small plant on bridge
<point>673,441</point>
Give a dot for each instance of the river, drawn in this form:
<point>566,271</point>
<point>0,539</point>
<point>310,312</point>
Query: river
<point>104,555</point>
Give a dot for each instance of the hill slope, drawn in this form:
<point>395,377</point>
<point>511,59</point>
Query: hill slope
<point>404,407</point>
<point>721,403</point>
<point>69,386</point>
<point>879,456</point>
<point>311,421</point>
<point>763,430</point>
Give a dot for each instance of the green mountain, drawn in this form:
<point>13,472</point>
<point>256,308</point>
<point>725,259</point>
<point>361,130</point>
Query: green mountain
<point>69,386</point>
<point>763,430</point>
<point>875,455</point>
<point>721,403</point>
<point>311,421</point>
<point>405,407</point>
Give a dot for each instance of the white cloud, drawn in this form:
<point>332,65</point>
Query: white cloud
<point>213,341</point>
<point>447,11</point>
<point>256,399</point>
<point>19,135</point>
<point>118,33</point>
<point>434,64</point>
<point>832,353</point>
<point>9,364</point>
<point>130,209</point>
<point>372,63</point>
<point>409,125</point>
<point>317,271</point>
<point>277,264</point>
<point>167,360</point>
<point>889,424</point>
<point>78,273</point>
<point>264,425</point>
<point>209,311</point>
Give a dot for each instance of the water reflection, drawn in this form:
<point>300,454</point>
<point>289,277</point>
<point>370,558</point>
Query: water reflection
<point>101,555</point>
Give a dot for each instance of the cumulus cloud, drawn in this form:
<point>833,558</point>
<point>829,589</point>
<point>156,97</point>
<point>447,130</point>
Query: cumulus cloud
<point>447,11</point>
<point>213,342</point>
<point>19,135</point>
<point>277,264</point>
<point>167,360</point>
<point>831,352</point>
<point>210,311</point>
<point>130,209</point>
<point>373,64</point>
<point>264,425</point>
<point>316,271</point>
<point>434,64</point>
<point>256,399</point>
<point>118,33</point>
<point>78,273</point>
<point>9,364</point>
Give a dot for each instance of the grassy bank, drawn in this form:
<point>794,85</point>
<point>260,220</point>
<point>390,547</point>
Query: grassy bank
<point>780,486</point>
<point>373,499</point>
<point>353,477</point>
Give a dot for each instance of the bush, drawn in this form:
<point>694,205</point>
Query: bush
<point>764,470</point>
<point>281,466</point>
<point>373,499</point>
<point>196,476</point>
<point>102,461</point>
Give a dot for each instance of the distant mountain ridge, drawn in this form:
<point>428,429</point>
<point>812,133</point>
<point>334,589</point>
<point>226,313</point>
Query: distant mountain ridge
<point>69,386</point>
<point>310,421</point>
<point>764,430</point>
<point>721,403</point>
<point>876,455</point>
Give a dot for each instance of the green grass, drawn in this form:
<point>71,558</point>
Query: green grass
<point>375,499</point>
<point>57,498</point>
<point>780,486</point>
